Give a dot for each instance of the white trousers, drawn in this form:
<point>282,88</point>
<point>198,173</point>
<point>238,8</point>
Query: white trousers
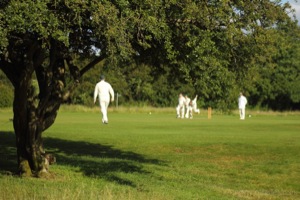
<point>189,112</point>
<point>103,108</point>
<point>195,109</point>
<point>242,113</point>
<point>180,111</point>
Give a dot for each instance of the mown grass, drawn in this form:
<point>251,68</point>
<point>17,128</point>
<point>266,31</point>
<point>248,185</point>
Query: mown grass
<point>143,156</point>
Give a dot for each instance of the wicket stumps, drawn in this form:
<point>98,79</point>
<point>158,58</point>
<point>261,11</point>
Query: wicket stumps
<point>209,112</point>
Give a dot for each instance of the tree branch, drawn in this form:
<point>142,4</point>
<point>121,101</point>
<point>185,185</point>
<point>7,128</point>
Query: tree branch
<point>91,65</point>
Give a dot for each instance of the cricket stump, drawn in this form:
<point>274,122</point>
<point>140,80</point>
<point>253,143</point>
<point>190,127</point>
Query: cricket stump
<point>209,113</point>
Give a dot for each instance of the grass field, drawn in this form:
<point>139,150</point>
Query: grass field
<point>159,157</point>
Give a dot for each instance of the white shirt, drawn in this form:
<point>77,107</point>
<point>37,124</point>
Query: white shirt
<point>194,102</point>
<point>181,101</point>
<point>103,90</point>
<point>242,102</point>
<point>187,101</point>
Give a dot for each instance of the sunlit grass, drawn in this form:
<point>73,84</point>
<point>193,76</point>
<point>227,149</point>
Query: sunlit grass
<point>156,156</point>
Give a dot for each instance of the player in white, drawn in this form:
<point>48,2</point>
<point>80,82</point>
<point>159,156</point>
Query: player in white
<point>187,106</point>
<point>242,101</point>
<point>103,91</point>
<point>194,105</point>
<point>180,106</point>
<point>193,108</point>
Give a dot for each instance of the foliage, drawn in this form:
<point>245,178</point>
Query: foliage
<point>276,84</point>
<point>42,41</point>
<point>224,48</point>
<point>6,96</point>
<point>6,92</point>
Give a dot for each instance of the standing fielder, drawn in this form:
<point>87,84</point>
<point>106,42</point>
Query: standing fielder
<point>103,91</point>
<point>188,106</point>
<point>180,107</point>
<point>242,101</point>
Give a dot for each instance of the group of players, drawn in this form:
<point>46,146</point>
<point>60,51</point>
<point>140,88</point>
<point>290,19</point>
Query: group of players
<point>186,107</point>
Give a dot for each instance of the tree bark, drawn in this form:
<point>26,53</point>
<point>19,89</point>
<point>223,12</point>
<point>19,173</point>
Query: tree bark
<point>27,128</point>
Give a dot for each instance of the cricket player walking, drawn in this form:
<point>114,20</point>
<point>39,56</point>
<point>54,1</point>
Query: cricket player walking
<point>103,91</point>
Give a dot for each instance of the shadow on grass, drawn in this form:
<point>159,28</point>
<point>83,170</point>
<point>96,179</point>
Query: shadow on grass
<point>8,153</point>
<point>93,160</point>
<point>96,160</point>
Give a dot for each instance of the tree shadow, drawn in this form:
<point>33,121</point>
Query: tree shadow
<point>97,160</point>
<point>8,153</point>
<point>93,160</point>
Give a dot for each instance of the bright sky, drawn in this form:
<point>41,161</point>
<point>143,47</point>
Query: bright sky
<point>296,5</point>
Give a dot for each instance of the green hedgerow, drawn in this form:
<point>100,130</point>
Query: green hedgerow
<point>6,96</point>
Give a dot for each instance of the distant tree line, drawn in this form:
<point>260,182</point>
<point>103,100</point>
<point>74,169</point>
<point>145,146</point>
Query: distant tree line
<point>271,81</point>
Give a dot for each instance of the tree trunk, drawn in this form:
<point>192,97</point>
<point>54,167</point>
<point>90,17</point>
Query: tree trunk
<point>28,130</point>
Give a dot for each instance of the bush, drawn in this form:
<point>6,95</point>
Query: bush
<point>6,96</point>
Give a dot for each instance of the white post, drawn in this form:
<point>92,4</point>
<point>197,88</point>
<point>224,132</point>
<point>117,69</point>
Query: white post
<point>117,100</point>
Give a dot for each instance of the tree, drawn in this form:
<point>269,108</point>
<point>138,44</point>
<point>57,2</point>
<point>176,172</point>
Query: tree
<point>43,40</point>
<point>276,85</point>
<point>201,44</point>
<point>40,40</point>
<point>224,44</point>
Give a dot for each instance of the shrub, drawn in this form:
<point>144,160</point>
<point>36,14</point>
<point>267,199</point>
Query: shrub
<point>6,96</point>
